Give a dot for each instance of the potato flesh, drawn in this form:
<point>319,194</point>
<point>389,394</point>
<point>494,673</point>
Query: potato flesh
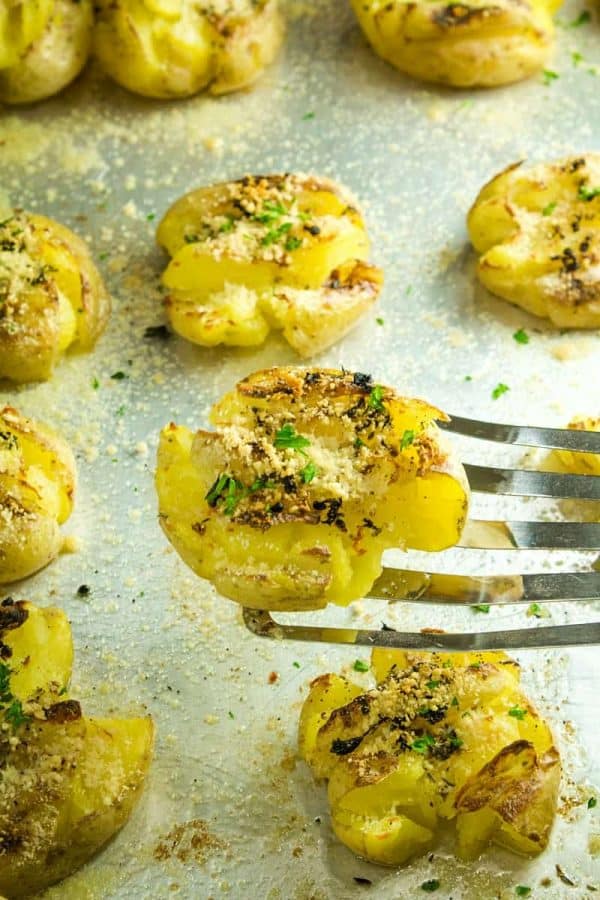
<point>20,25</point>
<point>168,50</point>
<point>297,559</point>
<point>499,780</point>
<point>233,276</point>
<point>69,782</point>
<point>37,482</point>
<point>465,46</point>
<point>55,297</point>
<point>581,463</point>
<point>537,236</point>
<point>54,57</point>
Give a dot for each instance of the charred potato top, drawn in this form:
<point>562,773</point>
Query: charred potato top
<point>479,43</point>
<point>537,232</point>
<point>309,475</point>
<point>68,782</point>
<point>51,296</point>
<point>37,483</point>
<point>441,736</point>
<point>175,48</point>
<point>44,45</point>
<point>279,251</point>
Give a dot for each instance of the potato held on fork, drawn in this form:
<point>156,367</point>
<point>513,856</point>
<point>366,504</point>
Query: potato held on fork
<point>310,475</point>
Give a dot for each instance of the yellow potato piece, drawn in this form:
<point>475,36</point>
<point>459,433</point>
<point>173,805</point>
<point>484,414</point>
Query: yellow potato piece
<point>69,783</point>
<point>536,232</point>
<point>174,48</point>
<point>37,483</point>
<point>308,477</point>
<point>270,252</point>
<point>462,44</point>
<point>440,737</point>
<point>53,42</point>
<point>581,463</point>
<point>52,296</point>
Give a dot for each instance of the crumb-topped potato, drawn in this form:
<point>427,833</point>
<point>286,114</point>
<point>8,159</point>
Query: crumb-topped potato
<point>69,782</point>
<point>175,48</point>
<point>37,483</point>
<point>44,45</point>
<point>440,737</point>
<point>51,296</point>
<point>462,44</point>
<point>309,476</point>
<point>536,230</point>
<point>267,252</point>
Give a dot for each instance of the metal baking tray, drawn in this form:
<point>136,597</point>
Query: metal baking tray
<point>151,636</point>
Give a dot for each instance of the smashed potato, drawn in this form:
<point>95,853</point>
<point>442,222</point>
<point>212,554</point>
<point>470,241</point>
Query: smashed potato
<point>537,234</point>
<point>69,782</point>
<point>44,45</point>
<point>275,252</point>
<point>51,296</point>
<point>37,482</point>
<point>441,737</point>
<point>175,48</point>
<point>309,476</point>
<point>581,463</point>
<point>464,45</point>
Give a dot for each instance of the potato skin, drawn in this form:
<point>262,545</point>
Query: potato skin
<point>441,736</point>
<point>273,252</point>
<point>170,53</point>
<point>273,526</point>
<point>37,484</point>
<point>53,297</point>
<point>56,56</point>
<point>69,782</point>
<point>477,44</point>
<point>535,229</point>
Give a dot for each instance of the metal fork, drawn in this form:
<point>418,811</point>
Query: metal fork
<point>460,590</point>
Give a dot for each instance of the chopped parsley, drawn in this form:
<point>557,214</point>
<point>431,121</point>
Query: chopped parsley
<point>271,211</point>
<point>534,609</point>
<point>422,744</point>
<point>587,193</point>
<point>10,705</point>
<point>307,116</point>
<point>293,243</point>
<point>433,684</point>
<point>274,234</point>
<point>376,397</point>
<point>151,217</point>
<point>499,390</point>
<point>548,210</point>
<point>226,490</point>
<point>522,890</point>
<point>287,439</point>
<point>576,57</point>
<point>379,320</point>
<point>407,439</point>
<point>309,472</point>
<point>549,76</point>
<point>521,336</point>
<point>95,384</point>
<point>582,19</point>
<point>14,715</point>
<point>430,886</point>
<point>468,378</point>
<point>296,665</point>
<point>227,225</point>
<point>119,376</point>
<point>517,713</point>
<point>360,665</point>
<point>592,802</point>
<point>481,607</point>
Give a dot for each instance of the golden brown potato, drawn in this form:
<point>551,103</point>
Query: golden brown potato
<point>51,296</point>
<point>175,48</point>
<point>581,463</point>
<point>536,230</point>
<point>309,476</point>
<point>282,252</point>
<point>441,736</point>
<point>44,45</point>
<point>462,44</point>
<point>68,782</point>
<point>37,483</point>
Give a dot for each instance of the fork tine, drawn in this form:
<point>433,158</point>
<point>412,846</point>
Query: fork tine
<point>483,535</point>
<point>465,590</point>
<point>549,438</point>
<point>261,624</point>
<point>527,483</point>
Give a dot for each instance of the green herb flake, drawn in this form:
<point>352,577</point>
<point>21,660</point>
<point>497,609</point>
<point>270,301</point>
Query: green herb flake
<point>227,225</point>
<point>454,701</point>
<point>379,320</point>
<point>296,665</point>
<point>190,238</point>
<point>376,397</point>
<point>103,256</point>
<point>119,376</point>
<point>226,490</point>
<point>576,57</point>
<point>407,439</point>
<point>120,411</point>
<point>521,336</point>
<point>95,384</point>
<point>587,193</point>
<point>231,715</point>
<point>582,19</point>
<point>548,210</point>
<point>468,378</point>
<point>522,890</point>
<point>549,76</point>
<point>293,243</point>
<point>287,439</point>
<point>360,665</point>
<point>433,684</point>
<point>422,744</point>
<point>534,609</point>
<point>15,716</point>
<point>307,116</point>
<point>308,473</point>
<point>481,607</point>
<point>592,802</point>
<point>430,886</point>
<point>499,390</point>
<point>517,713</point>
<point>151,217</point>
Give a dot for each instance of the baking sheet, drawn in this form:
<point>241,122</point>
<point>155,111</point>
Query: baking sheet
<point>151,636</point>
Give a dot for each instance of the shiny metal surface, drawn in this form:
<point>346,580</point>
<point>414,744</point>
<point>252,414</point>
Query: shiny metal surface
<point>519,483</point>
<point>151,636</point>
<point>533,535</point>
<point>549,438</point>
